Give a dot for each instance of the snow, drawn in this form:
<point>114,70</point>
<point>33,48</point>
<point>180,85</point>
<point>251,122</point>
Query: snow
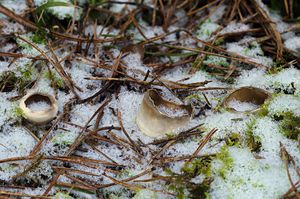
<point>284,104</point>
<point>250,177</point>
<point>62,12</point>
<point>206,29</point>
<point>39,106</point>
<point>226,123</point>
<point>293,43</point>
<point>251,50</point>
<point>171,112</point>
<point>14,142</point>
<point>17,6</point>
<point>234,27</point>
<point>255,77</point>
<point>285,80</point>
<point>242,106</point>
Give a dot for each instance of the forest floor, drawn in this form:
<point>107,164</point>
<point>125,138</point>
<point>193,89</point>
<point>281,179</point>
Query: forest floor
<point>230,69</point>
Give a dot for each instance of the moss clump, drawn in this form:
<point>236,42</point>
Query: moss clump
<point>145,194</point>
<point>56,82</point>
<point>182,183</point>
<point>198,166</point>
<point>212,63</point>
<point>264,109</point>
<point>27,72</point>
<point>289,125</point>
<point>62,139</point>
<point>17,112</point>
<point>234,139</point>
<point>62,195</point>
<point>253,142</point>
<point>9,80</point>
<point>226,160</point>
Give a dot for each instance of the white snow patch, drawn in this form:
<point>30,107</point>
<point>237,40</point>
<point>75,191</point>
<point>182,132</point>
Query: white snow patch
<point>39,106</point>
<point>284,104</point>
<point>226,123</point>
<point>250,177</point>
<point>235,27</point>
<point>242,106</point>
<point>293,43</point>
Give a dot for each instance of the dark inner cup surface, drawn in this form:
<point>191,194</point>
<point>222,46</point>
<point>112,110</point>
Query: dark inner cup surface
<point>37,98</point>
<point>251,95</point>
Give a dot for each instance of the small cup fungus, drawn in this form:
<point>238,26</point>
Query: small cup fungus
<point>39,108</point>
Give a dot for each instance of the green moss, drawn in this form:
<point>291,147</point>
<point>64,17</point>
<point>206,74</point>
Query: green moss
<point>17,112</point>
<point>181,183</point>
<point>39,36</point>
<point>56,81</point>
<point>234,139</point>
<point>178,189</point>
<point>253,142</point>
<point>8,81</point>
<point>62,195</point>
<point>276,67</point>
<point>196,63</point>
<point>198,166</point>
<point>200,191</point>
<point>226,160</point>
<point>27,72</point>
<point>62,139</point>
<point>215,60</point>
<point>126,173</point>
<point>219,41</point>
<point>290,125</point>
<point>145,194</point>
<point>264,109</point>
<point>194,96</point>
<point>95,2</point>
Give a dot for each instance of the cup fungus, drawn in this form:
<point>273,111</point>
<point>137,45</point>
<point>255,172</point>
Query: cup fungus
<point>39,108</point>
<point>158,116</point>
<point>246,99</point>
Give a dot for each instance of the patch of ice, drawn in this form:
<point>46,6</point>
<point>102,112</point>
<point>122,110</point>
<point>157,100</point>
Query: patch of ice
<point>14,142</point>
<point>286,79</point>
<point>6,110</point>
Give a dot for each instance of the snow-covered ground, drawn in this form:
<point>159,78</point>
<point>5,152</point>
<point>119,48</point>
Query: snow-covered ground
<point>250,155</point>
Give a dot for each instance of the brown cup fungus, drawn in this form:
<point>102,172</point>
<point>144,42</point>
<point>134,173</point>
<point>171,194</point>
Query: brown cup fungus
<point>246,99</point>
<point>158,116</point>
<point>39,108</point>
